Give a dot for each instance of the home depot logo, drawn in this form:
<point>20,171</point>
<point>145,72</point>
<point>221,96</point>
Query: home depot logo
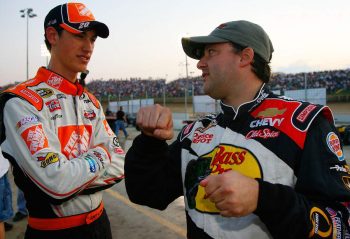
<point>75,140</point>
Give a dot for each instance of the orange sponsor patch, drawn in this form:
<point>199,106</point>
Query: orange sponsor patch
<point>75,140</point>
<point>35,138</point>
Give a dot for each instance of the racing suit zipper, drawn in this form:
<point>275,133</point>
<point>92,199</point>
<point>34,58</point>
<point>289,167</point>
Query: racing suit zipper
<point>77,123</point>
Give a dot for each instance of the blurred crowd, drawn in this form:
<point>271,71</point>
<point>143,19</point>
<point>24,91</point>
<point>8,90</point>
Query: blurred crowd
<point>334,81</point>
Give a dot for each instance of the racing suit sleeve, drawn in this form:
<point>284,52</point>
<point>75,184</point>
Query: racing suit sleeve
<point>114,172</point>
<point>318,205</point>
<point>37,151</point>
<point>153,172</point>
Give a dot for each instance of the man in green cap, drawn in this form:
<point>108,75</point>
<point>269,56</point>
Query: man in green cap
<point>264,167</point>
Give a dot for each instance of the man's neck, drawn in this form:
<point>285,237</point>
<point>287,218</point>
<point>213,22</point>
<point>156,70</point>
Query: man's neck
<point>70,76</point>
<point>245,93</point>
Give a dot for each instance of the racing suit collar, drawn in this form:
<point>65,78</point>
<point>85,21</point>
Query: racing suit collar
<point>246,106</point>
<point>59,82</point>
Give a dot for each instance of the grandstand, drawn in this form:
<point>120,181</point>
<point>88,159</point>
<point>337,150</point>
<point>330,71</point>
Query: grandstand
<point>336,82</point>
<point>174,93</point>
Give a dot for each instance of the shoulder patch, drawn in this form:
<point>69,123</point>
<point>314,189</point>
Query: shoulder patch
<point>306,112</point>
<point>291,117</point>
<point>22,91</point>
<point>93,99</point>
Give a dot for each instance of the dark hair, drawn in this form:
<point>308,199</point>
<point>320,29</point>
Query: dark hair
<point>47,43</point>
<point>260,67</point>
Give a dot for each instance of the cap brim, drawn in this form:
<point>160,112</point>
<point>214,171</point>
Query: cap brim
<point>100,28</point>
<point>194,46</point>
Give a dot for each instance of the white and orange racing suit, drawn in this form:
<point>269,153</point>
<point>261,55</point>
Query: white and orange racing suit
<point>64,153</point>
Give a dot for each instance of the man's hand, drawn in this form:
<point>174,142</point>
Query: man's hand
<point>156,121</point>
<point>233,193</point>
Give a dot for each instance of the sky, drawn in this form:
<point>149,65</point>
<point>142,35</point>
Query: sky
<point>145,35</point>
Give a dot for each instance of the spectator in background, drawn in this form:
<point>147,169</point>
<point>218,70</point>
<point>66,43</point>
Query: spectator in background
<point>6,211</point>
<point>120,122</point>
<point>110,117</point>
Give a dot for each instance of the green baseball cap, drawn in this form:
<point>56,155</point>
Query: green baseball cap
<point>243,33</point>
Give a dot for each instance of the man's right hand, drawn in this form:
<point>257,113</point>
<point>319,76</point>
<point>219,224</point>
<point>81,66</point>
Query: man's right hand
<point>156,121</point>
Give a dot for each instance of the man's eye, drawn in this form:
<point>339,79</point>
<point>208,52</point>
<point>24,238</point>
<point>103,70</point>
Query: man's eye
<point>211,51</point>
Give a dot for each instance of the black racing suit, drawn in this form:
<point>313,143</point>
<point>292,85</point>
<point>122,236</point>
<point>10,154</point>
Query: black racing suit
<point>290,147</point>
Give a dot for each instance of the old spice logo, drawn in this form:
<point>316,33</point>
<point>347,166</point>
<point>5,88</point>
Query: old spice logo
<point>305,113</point>
<point>271,112</point>
<point>333,143</point>
<point>202,138</point>
<point>262,133</point>
<point>55,81</point>
<point>75,140</point>
<point>53,105</point>
<point>35,138</point>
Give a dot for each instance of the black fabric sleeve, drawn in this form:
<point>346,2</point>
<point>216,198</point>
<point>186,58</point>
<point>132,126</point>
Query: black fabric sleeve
<point>153,172</point>
<point>318,205</point>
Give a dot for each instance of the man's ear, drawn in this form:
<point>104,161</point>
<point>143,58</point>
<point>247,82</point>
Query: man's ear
<point>51,35</point>
<point>247,56</point>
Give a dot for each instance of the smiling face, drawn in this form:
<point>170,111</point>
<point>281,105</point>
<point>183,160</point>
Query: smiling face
<point>70,53</point>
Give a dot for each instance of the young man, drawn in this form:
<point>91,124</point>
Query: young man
<point>55,134</point>
<point>265,167</point>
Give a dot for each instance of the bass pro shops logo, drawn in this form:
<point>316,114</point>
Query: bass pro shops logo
<point>223,158</point>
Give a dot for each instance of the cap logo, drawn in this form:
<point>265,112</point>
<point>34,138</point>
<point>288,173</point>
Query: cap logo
<point>84,11</point>
<point>222,26</point>
<point>78,12</point>
<point>52,22</point>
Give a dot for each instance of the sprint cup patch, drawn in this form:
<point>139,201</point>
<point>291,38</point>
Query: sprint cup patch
<point>321,225</point>
<point>333,143</point>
